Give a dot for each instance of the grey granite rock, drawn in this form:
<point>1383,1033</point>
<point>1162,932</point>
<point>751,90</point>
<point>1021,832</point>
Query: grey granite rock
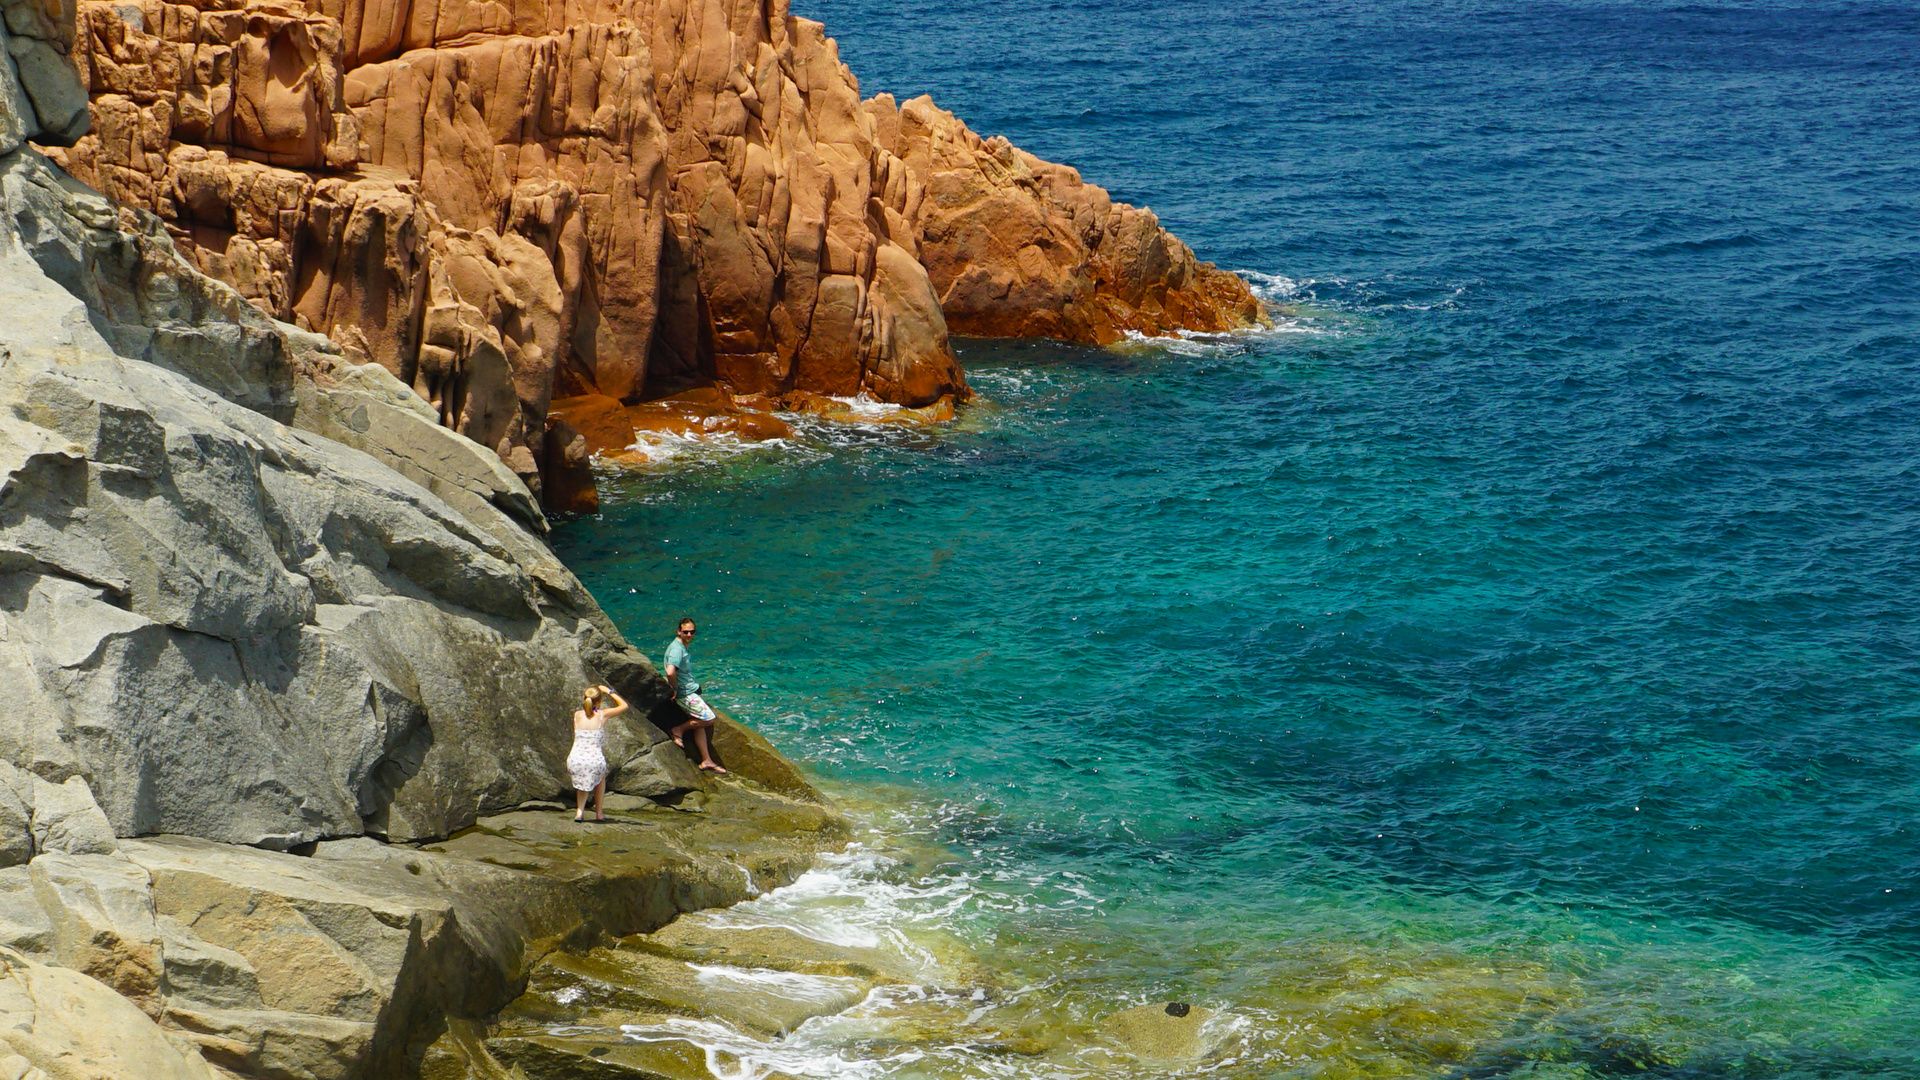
<point>17,119</point>
<point>52,84</point>
<point>41,95</point>
<point>234,628</point>
<point>101,908</point>
<point>66,819</point>
<point>56,1023</point>
<point>253,594</point>
<point>204,974</point>
<point>16,816</point>
<point>23,925</point>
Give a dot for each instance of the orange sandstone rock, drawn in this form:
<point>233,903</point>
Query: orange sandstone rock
<point>1020,247</point>
<point>600,419</point>
<point>568,470</point>
<point>504,202</point>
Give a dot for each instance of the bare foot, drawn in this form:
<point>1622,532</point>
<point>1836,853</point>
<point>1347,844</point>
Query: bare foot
<point>712,766</point>
<point>679,735</point>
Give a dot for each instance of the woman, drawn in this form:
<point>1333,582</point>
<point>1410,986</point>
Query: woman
<point>587,763</point>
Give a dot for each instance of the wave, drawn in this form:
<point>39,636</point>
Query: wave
<point>662,447</point>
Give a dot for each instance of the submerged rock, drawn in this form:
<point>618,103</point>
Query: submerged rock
<point>1172,1034</point>
<point>598,1057</point>
<point>765,1000</point>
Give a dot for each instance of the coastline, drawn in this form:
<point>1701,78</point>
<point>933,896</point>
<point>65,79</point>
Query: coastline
<point>877,599</point>
<point>274,577</point>
<point>1545,721</point>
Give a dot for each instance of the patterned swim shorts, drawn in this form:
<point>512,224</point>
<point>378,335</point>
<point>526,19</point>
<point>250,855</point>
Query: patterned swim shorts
<point>697,708</point>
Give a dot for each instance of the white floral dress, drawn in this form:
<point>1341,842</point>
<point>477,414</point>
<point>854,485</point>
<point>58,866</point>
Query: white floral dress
<point>587,762</point>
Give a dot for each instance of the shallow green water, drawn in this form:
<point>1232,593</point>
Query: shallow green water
<point>1357,742</point>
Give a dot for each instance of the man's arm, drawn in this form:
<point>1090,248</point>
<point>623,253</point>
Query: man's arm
<point>673,680</point>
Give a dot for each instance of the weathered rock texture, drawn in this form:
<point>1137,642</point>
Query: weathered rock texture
<point>217,624</point>
<point>501,203</point>
<point>173,953</point>
<point>250,590</point>
<point>1020,247</point>
<point>236,629</point>
<point>257,596</point>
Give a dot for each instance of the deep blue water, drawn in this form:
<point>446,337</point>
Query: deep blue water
<point>1509,659</point>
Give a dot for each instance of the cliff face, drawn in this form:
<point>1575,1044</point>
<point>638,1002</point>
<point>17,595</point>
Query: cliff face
<point>504,203</point>
<point>259,593</point>
<point>251,590</point>
<point>255,596</point>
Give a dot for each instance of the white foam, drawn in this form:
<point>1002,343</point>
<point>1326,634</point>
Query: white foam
<point>1273,288</point>
<point>866,406</point>
<point>1207,344</point>
<point>848,899</point>
<point>659,447</point>
<point>865,897</point>
<point>732,1054</point>
<point>788,984</point>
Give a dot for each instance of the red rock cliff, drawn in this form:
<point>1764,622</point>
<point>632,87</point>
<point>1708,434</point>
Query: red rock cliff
<point>504,202</point>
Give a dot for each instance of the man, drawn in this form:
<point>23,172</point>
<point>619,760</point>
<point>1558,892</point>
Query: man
<point>686,693</point>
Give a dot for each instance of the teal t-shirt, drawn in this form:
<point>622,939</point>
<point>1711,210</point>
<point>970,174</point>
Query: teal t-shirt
<point>681,661</point>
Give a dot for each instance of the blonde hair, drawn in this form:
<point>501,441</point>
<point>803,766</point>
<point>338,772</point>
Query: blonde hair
<point>593,694</point>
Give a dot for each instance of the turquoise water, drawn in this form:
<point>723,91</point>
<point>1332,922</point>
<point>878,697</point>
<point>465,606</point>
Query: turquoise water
<point>1505,666</point>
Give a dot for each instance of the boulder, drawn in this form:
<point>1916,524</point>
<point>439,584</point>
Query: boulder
<point>67,819</point>
<point>587,1056</point>
<point>599,419</point>
<point>61,1025</point>
<point>342,964</point>
<point>701,939</point>
<point>765,1000</point>
<point>23,925</point>
<point>42,94</point>
<point>566,470</point>
<point>16,816</point>
<point>748,755</point>
<point>204,973</point>
<point>102,915</point>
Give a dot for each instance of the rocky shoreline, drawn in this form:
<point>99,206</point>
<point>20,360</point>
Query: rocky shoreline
<point>286,658</point>
<point>357,958</point>
<point>507,204</point>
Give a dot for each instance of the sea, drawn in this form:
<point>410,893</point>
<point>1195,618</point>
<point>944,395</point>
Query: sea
<point>1504,666</point>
